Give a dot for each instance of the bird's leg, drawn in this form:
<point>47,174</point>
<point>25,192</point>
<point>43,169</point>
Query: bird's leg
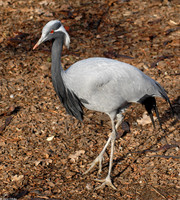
<point>99,159</point>
<point>107,181</point>
<point>119,120</point>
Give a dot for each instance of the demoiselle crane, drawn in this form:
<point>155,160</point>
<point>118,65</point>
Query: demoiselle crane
<point>99,84</point>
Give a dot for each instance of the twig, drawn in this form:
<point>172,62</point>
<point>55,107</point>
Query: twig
<point>158,192</point>
<point>163,156</point>
<point>154,64</point>
<point>165,147</point>
<point>7,122</point>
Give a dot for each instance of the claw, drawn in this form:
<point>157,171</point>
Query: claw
<point>107,181</point>
<point>100,167</point>
<point>93,164</point>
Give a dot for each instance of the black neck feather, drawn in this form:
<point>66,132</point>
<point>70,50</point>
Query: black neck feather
<point>70,101</point>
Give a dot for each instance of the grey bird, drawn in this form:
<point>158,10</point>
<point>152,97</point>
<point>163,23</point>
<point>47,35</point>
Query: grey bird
<point>99,84</point>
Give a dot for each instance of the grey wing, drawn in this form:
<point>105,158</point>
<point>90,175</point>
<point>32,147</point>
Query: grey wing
<point>107,84</point>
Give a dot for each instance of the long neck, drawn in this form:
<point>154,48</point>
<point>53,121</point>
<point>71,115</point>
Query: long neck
<point>68,98</point>
<point>56,55</point>
<point>56,68</point>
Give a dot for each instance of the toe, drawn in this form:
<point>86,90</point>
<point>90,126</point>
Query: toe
<point>104,182</point>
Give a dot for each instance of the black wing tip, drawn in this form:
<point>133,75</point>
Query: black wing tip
<point>169,102</point>
<point>150,104</point>
<point>172,109</point>
<point>165,96</point>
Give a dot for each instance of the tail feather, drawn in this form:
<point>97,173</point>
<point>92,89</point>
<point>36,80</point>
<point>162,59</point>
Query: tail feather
<point>150,104</point>
<point>164,95</point>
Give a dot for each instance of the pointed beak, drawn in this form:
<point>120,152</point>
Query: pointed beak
<point>38,43</point>
<point>35,46</point>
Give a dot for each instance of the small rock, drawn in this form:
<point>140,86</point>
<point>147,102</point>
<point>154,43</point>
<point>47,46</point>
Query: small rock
<point>50,138</point>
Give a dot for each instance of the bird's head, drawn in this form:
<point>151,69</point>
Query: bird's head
<point>52,30</point>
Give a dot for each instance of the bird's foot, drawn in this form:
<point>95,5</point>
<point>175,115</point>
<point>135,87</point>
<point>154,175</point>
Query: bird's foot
<point>97,160</point>
<point>107,181</point>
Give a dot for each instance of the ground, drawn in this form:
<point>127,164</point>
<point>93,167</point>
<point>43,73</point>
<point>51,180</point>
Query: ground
<point>44,151</point>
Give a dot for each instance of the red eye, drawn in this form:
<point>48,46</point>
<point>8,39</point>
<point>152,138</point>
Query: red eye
<point>52,31</point>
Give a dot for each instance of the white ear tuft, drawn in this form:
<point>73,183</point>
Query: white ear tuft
<point>67,38</point>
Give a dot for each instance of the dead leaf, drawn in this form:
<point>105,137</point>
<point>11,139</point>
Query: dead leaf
<point>74,157</point>
<point>145,119</point>
<point>17,178</point>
